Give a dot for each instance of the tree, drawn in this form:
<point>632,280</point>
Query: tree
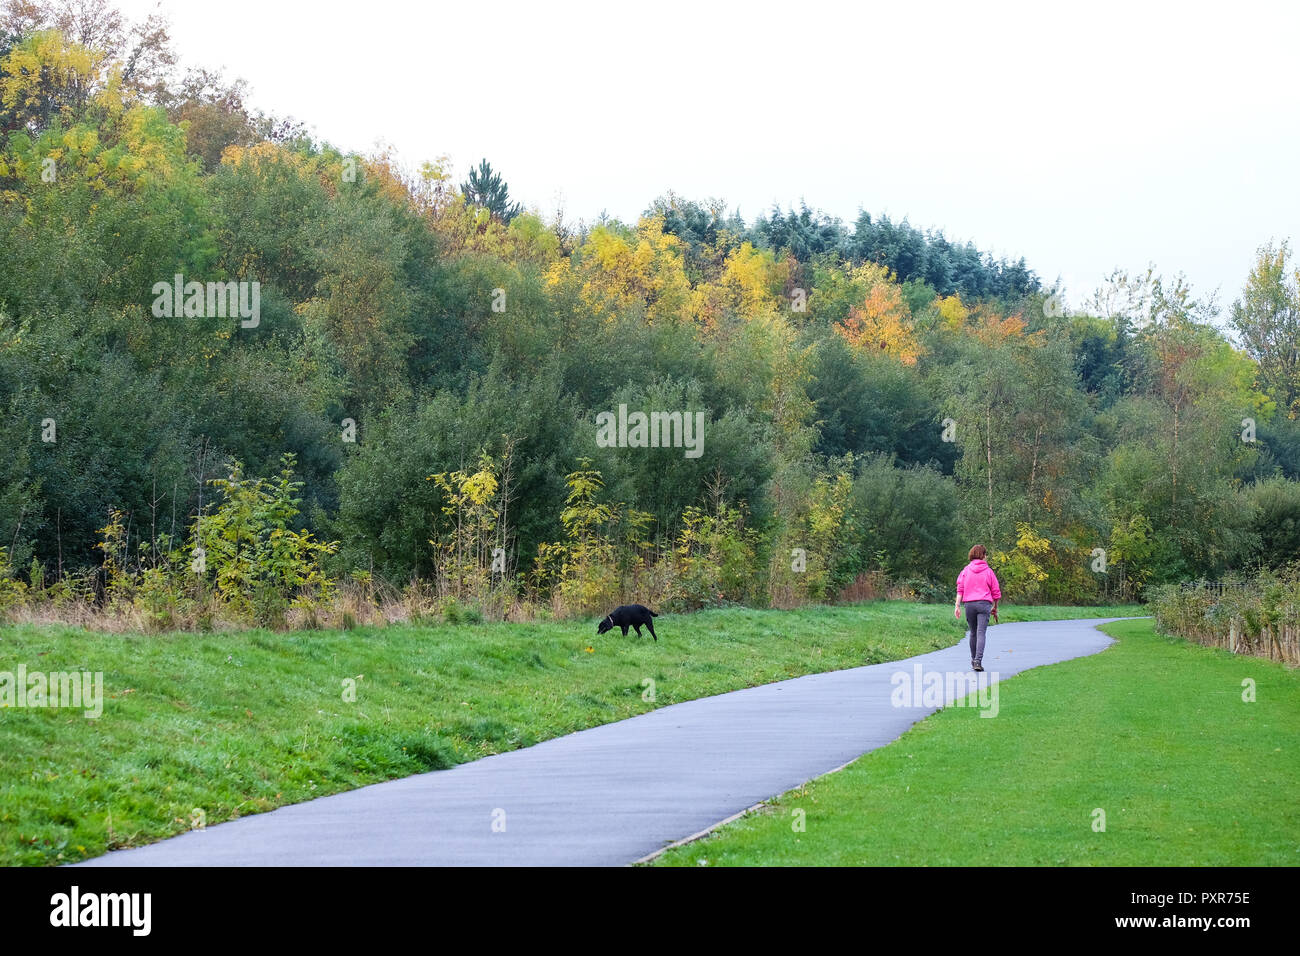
<point>363,301</point>
<point>867,402</point>
<point>1267,317</point>
<point>46,81</point>
<point>804,234</point>
<point>882,323</point>
<point>257,560</point>
<point>634,271</point>
<point>487,189</point>
<point>141,51</point>
<point>213,113</point>
<point>903,521</point>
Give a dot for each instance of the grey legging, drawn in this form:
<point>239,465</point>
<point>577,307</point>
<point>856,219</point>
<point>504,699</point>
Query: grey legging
<point>977,619</point>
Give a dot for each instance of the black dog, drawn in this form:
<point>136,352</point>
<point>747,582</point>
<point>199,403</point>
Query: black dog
<point>629,615</point>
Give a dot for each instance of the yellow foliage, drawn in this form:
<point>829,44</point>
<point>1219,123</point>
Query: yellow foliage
<point>480,487</point>
<point>42,62</point>
<point>558,274</point>
<point>1024,569</point>
<point>618,273</point>
<point>258,153</point>
<point>393,183</point>
<point>328,170</point>
<point>531,240</point>
<point>111,98</point>
<point>952,312</point>
<point>753,278</point>
<point>463,227</point>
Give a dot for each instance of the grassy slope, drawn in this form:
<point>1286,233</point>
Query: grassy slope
<point>1153,730</point>
<point>239,723</point>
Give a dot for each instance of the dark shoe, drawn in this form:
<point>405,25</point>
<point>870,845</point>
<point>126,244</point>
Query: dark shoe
<point>979,666</point>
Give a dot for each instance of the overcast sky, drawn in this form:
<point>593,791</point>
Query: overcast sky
<point>1083,137</point>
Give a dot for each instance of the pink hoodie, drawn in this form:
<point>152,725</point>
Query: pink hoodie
<point>977,582</point>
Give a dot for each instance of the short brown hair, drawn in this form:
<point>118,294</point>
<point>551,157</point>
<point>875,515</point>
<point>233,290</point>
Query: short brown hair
<point>977,552</point>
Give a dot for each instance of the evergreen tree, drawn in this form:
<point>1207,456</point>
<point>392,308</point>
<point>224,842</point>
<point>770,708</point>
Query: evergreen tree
<point>487,189</point>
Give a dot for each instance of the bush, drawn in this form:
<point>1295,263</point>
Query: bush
<point>1276,504</point>
<point>904,522</point>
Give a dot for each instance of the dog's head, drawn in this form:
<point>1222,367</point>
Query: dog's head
<point>605,625</point>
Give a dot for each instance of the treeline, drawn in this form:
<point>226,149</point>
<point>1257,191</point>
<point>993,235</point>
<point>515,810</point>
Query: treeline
<point>912,256</point>
<point>874,400</point>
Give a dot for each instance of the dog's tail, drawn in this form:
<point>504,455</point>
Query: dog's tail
<point>652,613</point>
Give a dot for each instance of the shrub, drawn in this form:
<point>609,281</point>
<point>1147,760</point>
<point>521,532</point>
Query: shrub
<point>715,558</point>
<point>11,589</point>
<point>584,568</point>
<point>1276,504</point>
<point>260,565</point>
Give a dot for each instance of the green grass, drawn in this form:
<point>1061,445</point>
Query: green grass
<point>1153,731</point>
<point>238,723</point>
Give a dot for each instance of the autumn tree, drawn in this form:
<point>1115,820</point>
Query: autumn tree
<point>881,321</point>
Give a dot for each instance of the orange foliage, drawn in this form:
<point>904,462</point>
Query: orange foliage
<point>993,329</point>
<point>882,323</point>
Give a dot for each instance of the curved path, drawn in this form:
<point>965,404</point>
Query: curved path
<point>616,793</point>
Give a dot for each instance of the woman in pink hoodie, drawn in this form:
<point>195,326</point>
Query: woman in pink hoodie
<point>977,588</point>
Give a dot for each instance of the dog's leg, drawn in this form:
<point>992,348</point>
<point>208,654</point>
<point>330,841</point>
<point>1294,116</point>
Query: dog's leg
<point>651,625</point>
<point>624,626</point>
<point>638,629</point>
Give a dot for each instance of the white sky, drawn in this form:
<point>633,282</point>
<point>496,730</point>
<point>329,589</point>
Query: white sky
<point>1083,138</point>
